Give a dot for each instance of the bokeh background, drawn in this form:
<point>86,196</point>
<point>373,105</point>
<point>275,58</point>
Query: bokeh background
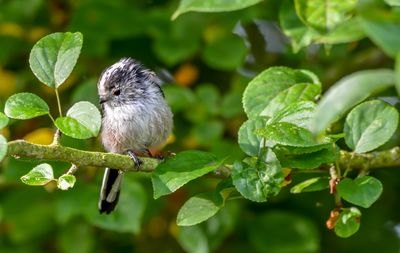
<point>211,57</point>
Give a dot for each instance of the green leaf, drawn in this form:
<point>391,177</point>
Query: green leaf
<point>66,181</point>
<point>295,93</point>
<point>25,106</point>
<point>3,120</point>
<point>348,31</point>
<point>264,87</point>
<point>226,53</point>
<point>40,175</point>
<point>370,125</point>
<point>362,191</point>
<point>257,182</point>
<point>87,115</point>
<point>348,222</point>
<point>324,154</point>
<point>3,147</point>
<point>54,56</point>
<point>324,15</point>
<point>351,90</point>
<point>71,127</point>
<point>181,169</point>
<point>281,231</point>
<point>83,121</point>
<point>311,185</point>
<point>288,134</point>
<point>300,35</point>
<point>198,209</point>
<point>299,114</point>
<point>382,28</point>
<point>212,6</point>
<point>249,142</point>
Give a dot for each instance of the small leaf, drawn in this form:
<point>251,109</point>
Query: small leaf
<point>295,93</point>
<point>351,90</point>
<point>198,209</point>
<point>370,125</point>
<point>66,181</point>
<point>257,182</point>
<point>348,222</point>
<point>3,120</point>
<point>311,185</point>
<point>181,169</point>
<point>83,121</point>
<point>264,87</point>
<point>40,175</point>
<point>86,114</point>
<point>25,106</point>
<point>287,134</point>
<point>324,15</point>
<point>3,147</point>
<point>212,6</point>
<point>249,142</point>
<point>362,191</point>
<point>54,56</point>
<point>71,127</point>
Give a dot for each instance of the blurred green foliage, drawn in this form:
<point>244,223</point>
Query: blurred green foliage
<point>212,57</point>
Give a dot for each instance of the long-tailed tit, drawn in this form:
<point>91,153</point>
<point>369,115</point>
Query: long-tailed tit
<point>135,118</point>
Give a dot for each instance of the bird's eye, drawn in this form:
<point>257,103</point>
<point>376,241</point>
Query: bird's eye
<point>116,92</point>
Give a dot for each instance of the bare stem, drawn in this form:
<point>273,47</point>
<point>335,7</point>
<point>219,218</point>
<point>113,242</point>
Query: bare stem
<point>58,102</point>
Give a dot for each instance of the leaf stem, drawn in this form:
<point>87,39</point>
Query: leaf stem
<point>58,102</point>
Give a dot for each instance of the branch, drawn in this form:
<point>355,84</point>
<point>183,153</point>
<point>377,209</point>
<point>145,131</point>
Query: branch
<point>80,158</point>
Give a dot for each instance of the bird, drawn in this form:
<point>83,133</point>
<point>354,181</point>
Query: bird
<point>135,117</point>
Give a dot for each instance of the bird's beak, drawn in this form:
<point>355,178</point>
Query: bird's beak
<point>103,99</point>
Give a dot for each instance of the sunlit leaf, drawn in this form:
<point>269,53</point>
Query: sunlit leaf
<point>362,191</point>
<point>348,222</point>
<point>3,147</point>
<point>351,90</point>
<point>299,113</point>
<point>212,6</point>
<point>40,175</point>
<point>83,121</point>
<point>181,169</point>
<point>53,57</point>
<point>324,15</point>
<point>284,133</point>
<point>312,184</point>
<point>295,93</point>
<point>370,125</point>
<point>3,120</point>
<point>264,87</point>
<point>66,182</point>
<point>71,127</point>
<point>25,106</point>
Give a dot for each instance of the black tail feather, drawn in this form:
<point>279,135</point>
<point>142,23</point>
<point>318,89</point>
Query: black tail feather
<point>110,190</point>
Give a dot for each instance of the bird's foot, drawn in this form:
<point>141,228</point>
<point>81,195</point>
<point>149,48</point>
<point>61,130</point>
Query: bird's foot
<point>135,159</point>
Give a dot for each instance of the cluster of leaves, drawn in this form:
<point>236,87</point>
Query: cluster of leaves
<point>52,60</point>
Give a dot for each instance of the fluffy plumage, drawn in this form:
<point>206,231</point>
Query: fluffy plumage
<point>135,117</point>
